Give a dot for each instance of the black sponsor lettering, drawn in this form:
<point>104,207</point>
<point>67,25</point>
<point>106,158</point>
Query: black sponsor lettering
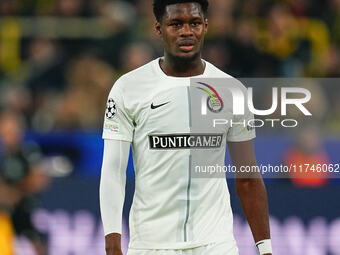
<point>185,141</point>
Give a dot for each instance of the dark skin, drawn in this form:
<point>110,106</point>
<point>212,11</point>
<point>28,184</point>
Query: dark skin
<point>250,189</point>
<point>182,30</point>
<point>113,244</point>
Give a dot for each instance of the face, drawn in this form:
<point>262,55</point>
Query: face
<point>182,30</point>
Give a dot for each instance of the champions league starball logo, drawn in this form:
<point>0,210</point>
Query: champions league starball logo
<point>111,109</point>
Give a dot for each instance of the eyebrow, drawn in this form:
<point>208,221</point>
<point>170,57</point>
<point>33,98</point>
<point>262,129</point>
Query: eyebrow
<point>179,20</point>
<point>175,20</point>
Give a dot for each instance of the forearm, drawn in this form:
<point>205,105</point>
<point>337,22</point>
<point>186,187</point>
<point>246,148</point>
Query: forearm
<point>253,197</point>
<point>112,191</point>
<point>111,202</point>
<point>252,193</point>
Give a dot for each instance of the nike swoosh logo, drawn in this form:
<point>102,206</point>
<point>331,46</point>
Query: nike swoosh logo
<point>157,106</point>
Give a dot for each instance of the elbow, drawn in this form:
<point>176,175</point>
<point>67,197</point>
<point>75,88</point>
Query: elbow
<point>243,184</point>
<point>246,185</point>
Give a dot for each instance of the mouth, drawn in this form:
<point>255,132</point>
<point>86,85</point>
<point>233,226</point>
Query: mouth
<point>187,46</point>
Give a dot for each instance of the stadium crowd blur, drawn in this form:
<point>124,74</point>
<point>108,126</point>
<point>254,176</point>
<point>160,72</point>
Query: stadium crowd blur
<point>59,58</point>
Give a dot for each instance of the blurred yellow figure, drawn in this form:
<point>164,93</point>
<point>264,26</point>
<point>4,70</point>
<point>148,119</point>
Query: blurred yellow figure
<point>6,235</point>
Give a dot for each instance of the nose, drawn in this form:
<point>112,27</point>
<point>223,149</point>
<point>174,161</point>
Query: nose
<point>186,30</point>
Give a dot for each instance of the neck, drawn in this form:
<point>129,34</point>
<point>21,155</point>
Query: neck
<point>179,67</point>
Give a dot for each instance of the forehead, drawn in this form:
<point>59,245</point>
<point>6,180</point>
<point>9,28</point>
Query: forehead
<point>183,11</point>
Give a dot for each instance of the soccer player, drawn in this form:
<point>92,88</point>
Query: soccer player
<point>149,108</point>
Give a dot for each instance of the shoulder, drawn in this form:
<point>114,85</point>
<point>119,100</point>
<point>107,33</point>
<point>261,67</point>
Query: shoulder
<point>215,72</point>
<point>138,76</point>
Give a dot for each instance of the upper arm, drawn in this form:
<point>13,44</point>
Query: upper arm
<point>242,154</point>
<point>115,161</point>
<point>116,154</point>
<point>118,123</point>
<point>242,126</point>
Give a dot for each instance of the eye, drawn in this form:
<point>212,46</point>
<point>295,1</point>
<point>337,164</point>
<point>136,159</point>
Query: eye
<point>195,24</point>
<point>175,24</point>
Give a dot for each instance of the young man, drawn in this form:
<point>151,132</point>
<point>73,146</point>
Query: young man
<point>173,213</point>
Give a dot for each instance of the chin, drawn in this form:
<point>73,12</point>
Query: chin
<point>188,57</point>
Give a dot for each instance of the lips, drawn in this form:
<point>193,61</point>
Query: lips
<point>186,45</point>
<point>186,48</point>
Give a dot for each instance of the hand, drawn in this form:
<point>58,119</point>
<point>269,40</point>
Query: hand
<point>113,244</point>
<point>114,251</point>
<point>40,247</point>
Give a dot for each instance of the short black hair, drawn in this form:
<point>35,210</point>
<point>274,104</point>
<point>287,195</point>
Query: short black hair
<point>160,5</point>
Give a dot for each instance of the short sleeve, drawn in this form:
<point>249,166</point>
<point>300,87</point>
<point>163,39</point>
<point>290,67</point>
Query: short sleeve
<point>242,127</point>
<point>118,125</point>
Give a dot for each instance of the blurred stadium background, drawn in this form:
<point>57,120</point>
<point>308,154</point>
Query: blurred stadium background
<point>58,61</point>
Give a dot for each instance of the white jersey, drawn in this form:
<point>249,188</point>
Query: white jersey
<point>171,209</point>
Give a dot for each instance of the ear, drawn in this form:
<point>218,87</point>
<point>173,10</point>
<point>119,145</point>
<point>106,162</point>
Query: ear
<point>158,28</point>
<point>206,25</point>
